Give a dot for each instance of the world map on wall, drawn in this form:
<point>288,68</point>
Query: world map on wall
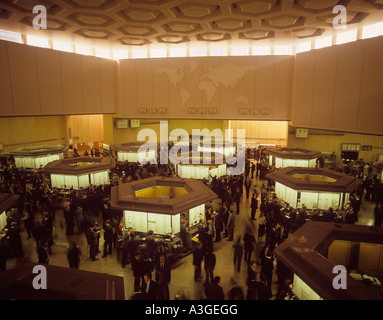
<point>228,75</point>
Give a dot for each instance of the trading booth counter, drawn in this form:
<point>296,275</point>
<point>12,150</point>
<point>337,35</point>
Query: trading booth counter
<point>202,167</point>
<point>130,152</point>
<point>159,204</point>
<point>292,157</point>
<point>79,172</point>
<point>224,147</point>
<point>37,156</point>
<point>316,188</point>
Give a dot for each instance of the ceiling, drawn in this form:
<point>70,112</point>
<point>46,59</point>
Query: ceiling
<point>118,24</point>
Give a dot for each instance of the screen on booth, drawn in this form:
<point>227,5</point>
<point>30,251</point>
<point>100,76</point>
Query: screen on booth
<point>3,220</point>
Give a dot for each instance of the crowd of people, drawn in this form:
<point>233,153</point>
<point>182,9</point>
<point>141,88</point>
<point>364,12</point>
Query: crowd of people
<point>265,227</point>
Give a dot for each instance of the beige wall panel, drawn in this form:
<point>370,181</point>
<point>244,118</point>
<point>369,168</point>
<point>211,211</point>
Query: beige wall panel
<point>144,84</point>
<point>161,98</point>
<point>18,132</point>
<point>265,84</point>
<point>194,70</point>
<point>108,77</point>
<point>303,93</point>
<point>370,113</point>
<point>369,256</point>
<point>86,128</point>
<point>128,89</point>
<point>72,83</point>
<point>347,86</point>
<point>339,252</point>
<point>327,141</point>
<point>176,73</point>
<point>245,91</point>
<point>283,79</point>
<point>50,81</point>
<point>211,90</point>
<point>90,68</point>
<point>23,71</point>
<point>324,83</point>
<point>5,82</point>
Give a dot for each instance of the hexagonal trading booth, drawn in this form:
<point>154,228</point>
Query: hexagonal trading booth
<point>130,152</point>
<point>292,157</point>
<point>79,172</point>
<point>314,250</point>
<point>37,156</point>
<point>316,188</point>
<point>157,203</point>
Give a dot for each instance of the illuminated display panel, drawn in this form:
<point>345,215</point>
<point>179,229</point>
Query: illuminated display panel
<point>200,172</point>
<point>160,223</point>
<point>303,291</point>
<point>63,181</point>
<point>142,156</point>
<point>3,220</point>
<point>196,214</point>
<point>36,162</point>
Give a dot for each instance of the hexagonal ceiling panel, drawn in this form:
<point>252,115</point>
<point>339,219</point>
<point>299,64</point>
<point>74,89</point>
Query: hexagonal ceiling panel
<point>114,24</point>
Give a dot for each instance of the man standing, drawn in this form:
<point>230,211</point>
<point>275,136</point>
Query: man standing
<point>198,255</point>
<point>137,271</point>
<point>247,187</point>
<point>254,206</point>
<point>43,253</point>
<point>108,237</point>
<point>210,232</point>
<point>214,291</point>
<point>210,261</point>
<point>163,277</point>
<point>237,198</point>
<point>218,222</point>
<point>149,288</point>
<point>230,225</point>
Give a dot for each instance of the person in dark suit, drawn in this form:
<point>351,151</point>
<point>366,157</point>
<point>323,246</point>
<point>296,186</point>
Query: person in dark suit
<point>202,232</point>
<point>150,244</point>
<point>108,237</point>
<point>149,288</point>
<point>198,256</point>
<point>225,218</point>
<point>218,223</point>
<point>73,256</point>
<point>163,278</point>
<point>271,237</point>
<point>137,271</point>
<point>43,253</point>
<point>237,198</point>
<point>210,261</point>
<point>214,291</point>
<point>267,267</point>
<point>282,234</point>
<point>230,225</point>
<point>247,187</point>
<point>249,241</point>
<point>209,234</point>
<point>254,206</point>
<point>238,254</point>
<point>252,170</point>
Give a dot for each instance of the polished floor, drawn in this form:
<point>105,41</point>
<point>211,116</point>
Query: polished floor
<point>182,271</point>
